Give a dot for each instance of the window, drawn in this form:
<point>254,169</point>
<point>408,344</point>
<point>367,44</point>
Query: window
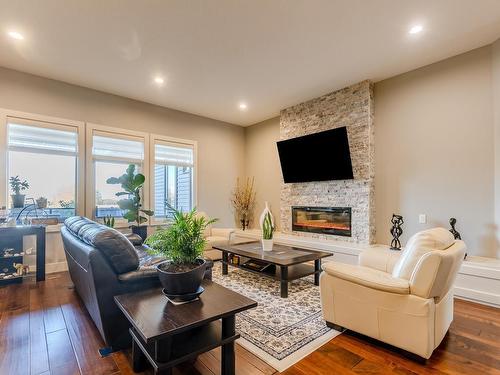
<point>46,156</point>
<point>173,177</point>
<point>111,154</point>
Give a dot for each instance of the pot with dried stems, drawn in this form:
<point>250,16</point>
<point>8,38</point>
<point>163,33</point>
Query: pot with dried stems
<point>243,200</point>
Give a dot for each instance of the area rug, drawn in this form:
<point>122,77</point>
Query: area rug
<point>280,331</point>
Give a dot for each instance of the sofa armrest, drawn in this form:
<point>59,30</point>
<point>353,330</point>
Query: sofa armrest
<point>222,232</point>
<point>379,258</point>
<point>367,277</point>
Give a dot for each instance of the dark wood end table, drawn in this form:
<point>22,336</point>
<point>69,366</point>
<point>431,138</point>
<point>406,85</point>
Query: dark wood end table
<point>290,262</point>
<point>165,334</point>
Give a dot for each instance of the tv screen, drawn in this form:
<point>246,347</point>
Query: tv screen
<point>316,157</point>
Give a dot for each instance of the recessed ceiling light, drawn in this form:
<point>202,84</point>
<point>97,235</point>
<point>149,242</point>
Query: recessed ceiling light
<point>415,29</point>
<point>243,106</point>
<point>159,80</point>
<point>15,35</point>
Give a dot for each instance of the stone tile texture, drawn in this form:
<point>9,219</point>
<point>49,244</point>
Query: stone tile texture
<point>351,107</point>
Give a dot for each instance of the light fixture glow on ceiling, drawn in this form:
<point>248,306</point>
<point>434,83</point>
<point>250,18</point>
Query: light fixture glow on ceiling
<point>415,29</point>
<point>159,80</point>
<point>243,106</point>
<point>15,35</point>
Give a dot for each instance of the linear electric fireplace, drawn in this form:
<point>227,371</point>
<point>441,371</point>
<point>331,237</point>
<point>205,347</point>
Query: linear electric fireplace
<point>324,220</point>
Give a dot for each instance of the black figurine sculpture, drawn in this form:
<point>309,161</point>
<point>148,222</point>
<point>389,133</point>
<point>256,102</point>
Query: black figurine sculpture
<point>396,231</point>
<point>455,233</point>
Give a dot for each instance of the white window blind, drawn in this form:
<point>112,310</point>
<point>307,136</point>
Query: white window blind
<point>174,154</point>
<point>29,138</point>
<point>117,148</point>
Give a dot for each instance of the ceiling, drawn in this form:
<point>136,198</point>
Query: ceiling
<point>213,55</point>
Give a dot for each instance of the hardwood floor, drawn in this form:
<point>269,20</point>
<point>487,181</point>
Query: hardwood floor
<point>45,329</point>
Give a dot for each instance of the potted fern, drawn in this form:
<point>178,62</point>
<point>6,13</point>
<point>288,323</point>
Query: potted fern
<point>267,232</point>
<point>182,243</point>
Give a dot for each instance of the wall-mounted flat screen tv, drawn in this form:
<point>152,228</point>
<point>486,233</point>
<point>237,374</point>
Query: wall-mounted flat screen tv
<point>316,157</point>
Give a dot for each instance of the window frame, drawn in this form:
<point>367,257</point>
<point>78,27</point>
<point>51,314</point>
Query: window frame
<point>154,138</point>
<point>90,171</point>
<point>47,122</point>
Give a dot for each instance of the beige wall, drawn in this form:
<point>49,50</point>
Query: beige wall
<point>262,163</point>
<point>434,150</point>
<point>220,145</point>
<point>496,109</point>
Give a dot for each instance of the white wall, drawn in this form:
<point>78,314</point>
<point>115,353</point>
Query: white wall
<point>220,145</point>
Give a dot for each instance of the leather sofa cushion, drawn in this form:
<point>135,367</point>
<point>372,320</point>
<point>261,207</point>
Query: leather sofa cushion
<point>115,247</point>
<point>368,277</point>
<point>418,245</point>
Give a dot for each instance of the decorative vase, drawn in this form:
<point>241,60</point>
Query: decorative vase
<point>140,230</point>
<point>17,200</point>
<point>263,215</point>
<point>41,203</point>
<point>267,245</point>
<point>244,223</point>
<point>179,283</point>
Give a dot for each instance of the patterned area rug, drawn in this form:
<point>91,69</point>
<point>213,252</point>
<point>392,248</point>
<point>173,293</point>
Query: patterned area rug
<point>280,331</point>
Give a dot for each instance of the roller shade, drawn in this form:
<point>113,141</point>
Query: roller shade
<point>108,147</point>
<point>174,154</point>
<point>29,138</point>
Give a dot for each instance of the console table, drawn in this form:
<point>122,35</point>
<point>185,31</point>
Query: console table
<point>12,238</point>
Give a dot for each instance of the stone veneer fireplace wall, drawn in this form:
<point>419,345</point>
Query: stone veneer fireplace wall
<point>351,107</point>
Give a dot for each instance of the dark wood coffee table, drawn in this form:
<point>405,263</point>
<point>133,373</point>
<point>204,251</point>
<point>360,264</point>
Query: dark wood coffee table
<point>289,261</point>
<point>165,334</point>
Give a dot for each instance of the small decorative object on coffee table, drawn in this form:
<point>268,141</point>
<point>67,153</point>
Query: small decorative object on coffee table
<point>267,232</point>
<point>182,243</point>
<point>284,263</point>
<point>166,335</point>
<point>396,231</point>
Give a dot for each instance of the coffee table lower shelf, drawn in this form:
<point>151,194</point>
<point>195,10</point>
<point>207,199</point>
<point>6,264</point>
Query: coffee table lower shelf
<point>165,353</point>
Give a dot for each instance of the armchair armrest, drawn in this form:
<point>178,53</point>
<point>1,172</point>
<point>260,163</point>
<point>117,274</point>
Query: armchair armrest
<point>222,232</point>
<point>379,258</point>
<point>368,277</point>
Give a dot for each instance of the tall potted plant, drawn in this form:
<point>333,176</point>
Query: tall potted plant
<point>243,200</point>
<point>16,185</point>
<point>182,243</point>
<point>132,184</point>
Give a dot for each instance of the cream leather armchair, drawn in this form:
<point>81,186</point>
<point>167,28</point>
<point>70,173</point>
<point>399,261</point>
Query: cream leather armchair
<point>215,236</point>
<point>401,298</point>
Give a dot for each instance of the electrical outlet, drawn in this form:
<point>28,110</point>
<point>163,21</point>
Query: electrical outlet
<point>422,218</point>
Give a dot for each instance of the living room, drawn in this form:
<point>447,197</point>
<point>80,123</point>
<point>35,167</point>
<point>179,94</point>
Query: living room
<point>342,133</point>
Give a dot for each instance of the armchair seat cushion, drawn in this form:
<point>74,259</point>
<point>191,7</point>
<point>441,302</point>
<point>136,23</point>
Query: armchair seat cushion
<point>368,277</point>
<point>215,240</point>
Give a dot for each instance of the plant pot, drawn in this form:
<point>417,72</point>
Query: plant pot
<point>267,245</point>
<point>41,203</point>
<point>179,283</point>
<point>140,230</point>
<point>18,200</point>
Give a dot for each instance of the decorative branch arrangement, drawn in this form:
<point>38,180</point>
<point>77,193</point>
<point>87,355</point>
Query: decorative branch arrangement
<point>243,200</point>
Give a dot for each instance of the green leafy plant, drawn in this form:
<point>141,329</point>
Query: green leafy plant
<point>109,221</point>
<point>182,242</point>
<point>17,185</point>
<point>131,183</point>
<point>267,227</point>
